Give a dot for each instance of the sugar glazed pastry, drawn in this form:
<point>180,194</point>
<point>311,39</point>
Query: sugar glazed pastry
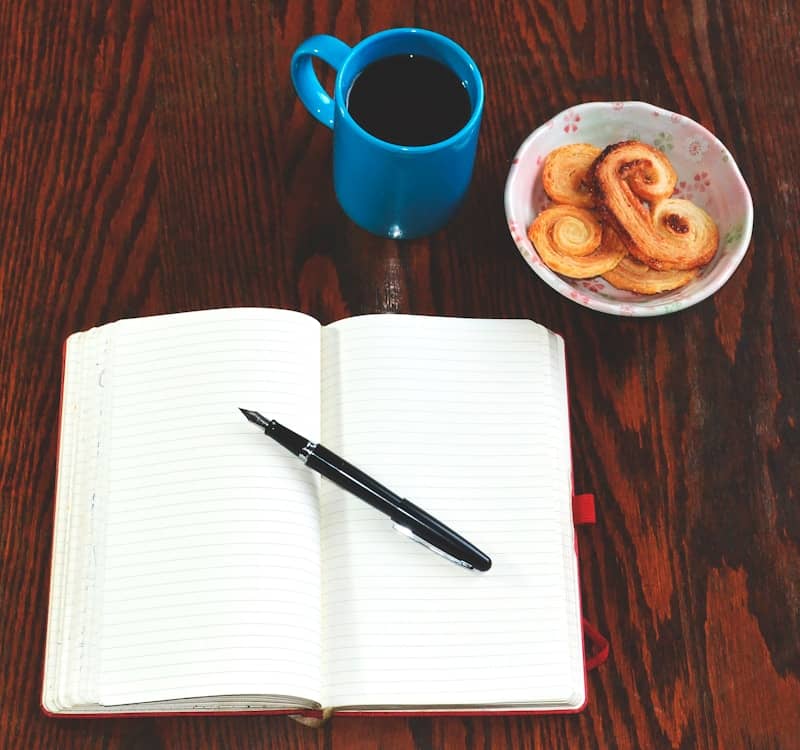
<point>668,235</point>
<point>635,276</point>
<point>571,241</point>
<point>564,173</point>
<point>616,218</point>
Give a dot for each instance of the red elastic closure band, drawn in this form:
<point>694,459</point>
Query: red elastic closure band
<point>600,643</point>
<point>583,511</point>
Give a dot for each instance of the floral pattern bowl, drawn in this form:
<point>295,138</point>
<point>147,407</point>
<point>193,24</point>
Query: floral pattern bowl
<point>707,175</point>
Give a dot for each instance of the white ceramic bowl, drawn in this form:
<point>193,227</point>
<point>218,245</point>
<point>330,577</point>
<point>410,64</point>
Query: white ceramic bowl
<point>707,175</point>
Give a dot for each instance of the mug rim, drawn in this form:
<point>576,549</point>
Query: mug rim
<point>477,109</point>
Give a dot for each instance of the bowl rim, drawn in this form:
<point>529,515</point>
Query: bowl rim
<point>631,308</point>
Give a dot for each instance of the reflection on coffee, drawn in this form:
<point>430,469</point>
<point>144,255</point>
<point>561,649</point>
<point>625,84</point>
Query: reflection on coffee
<point>409,100</point>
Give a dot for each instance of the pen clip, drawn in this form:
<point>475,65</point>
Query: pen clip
<point>406,532</point>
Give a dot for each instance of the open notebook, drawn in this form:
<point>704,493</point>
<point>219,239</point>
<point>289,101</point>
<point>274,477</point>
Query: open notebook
<point>198,566</point>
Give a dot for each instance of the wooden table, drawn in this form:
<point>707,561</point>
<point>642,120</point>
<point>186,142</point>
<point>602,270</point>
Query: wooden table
<point>154,158</point>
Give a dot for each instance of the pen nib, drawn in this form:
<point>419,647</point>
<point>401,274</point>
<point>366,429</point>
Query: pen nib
<point>255,417</point>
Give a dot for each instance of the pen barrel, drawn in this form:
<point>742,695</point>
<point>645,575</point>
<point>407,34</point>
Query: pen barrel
<point>352,479</point>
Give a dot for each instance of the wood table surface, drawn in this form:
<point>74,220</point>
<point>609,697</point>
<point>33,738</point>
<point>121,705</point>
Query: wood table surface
<point>154,158</point>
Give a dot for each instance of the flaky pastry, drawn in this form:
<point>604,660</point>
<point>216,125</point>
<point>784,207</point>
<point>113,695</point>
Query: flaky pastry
<point>648,171</point>
<point>671,235</point>
<point>676,217</point>
<point>564,173</point>
<point>571,241</point>
<point>634,276</point>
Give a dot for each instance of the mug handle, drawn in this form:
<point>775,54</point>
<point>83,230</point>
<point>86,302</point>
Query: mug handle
<point>315,99</point>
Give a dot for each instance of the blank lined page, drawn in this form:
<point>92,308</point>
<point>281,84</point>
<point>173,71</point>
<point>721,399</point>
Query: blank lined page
<point>468,419</point>
<point>211,570</point>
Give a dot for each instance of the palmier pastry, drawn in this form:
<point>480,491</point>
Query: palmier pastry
<point>564,173</point>
<point>634,276</point>
<point>648,172</point>
<point>676,217</point>
<point>677,235</point>
<point>571,241</point>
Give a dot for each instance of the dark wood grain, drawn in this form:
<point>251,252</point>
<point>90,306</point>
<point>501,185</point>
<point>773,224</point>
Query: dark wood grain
<point>154,158</point>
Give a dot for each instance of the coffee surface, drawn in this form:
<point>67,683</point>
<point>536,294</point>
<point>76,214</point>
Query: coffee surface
<point>409,100</point>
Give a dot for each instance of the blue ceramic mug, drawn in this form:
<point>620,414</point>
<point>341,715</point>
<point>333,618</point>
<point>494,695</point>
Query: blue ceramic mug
<point>391,190</point>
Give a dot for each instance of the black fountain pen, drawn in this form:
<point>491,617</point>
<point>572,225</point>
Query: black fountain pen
<point>409,519</point>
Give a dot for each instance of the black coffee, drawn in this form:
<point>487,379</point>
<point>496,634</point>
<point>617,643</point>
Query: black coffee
<point>410,100</point>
